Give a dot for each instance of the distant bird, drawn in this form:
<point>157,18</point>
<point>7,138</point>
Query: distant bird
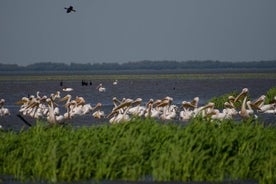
<point>115,82</point>
<point>67,89</point>
<point>101,88</point>
<point>70,9</point>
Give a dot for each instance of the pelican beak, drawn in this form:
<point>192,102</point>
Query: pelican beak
<point>241,95</point>
<point>254,106</point>
<point>64,98</point>
<point>20,102</point>
<point>127,103</point>
<point>228,105</point>
<point>187,105</point>
<point>112,113</point>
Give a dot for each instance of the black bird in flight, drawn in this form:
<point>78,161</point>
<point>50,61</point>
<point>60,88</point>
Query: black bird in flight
<point>70,9</point>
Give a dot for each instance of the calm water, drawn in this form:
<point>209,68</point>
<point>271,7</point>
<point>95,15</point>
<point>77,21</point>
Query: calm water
<point>178,89</point>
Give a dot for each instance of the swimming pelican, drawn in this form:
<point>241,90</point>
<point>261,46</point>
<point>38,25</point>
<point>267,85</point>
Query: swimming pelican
<point>150,111</point>
<point>229,109</point>
<point>99,113</point>
<point>3,111</point>
<point>101,88</point>
<point>55,96</point>
<point>67,89</point>
<point>195,101</point>
<point>187,113</point>
<point>203,110</point>
<point>217,115</point>
<point>68,105</point>
<point>116,101</point>
<point>243,93</point>
<point>119,116</point>
<point>115,82</point>
<point>137,110</point>
<point>169,113</point>
<point>261,107</point>
<point>52,118</point>
<point>244,112</point>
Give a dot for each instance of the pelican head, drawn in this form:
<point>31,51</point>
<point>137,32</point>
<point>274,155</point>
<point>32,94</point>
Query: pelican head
<point>241,95</point>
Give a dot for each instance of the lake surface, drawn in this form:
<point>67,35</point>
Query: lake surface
<point>179,89</point>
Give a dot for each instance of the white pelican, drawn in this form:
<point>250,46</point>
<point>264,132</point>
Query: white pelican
<point>217,115</point>
<point>187,113</point>
<point>195,101</point>
<point>118,115</point>
<point>262,107</point>
<point>150,111</point>
<point>244,112</point>
<point>115,82</point>
<point>243,93</point>
<point>169,113</point>
<point>68,105</point>
<point>137,110</point>
<point>3,111</point>
<point>203,110</point>
<point>230,109</point>
<point>53,118</point>
<point>101,88</point>
<point>67,89</point>
<point>164,105</point>
<point>98,113</point>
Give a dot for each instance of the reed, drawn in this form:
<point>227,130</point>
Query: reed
<point>219,101</point>
<point>270,94</point>
<point>142,149</point>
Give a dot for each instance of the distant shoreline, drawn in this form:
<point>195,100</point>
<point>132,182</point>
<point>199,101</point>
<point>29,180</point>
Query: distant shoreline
<point>143,67</point>
<point>126,75</point>
<point>141,71</point>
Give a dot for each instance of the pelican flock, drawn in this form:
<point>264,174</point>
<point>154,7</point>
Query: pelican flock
<point>56,108</point>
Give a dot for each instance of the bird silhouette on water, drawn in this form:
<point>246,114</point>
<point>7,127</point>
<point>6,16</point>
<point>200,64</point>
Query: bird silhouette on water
<point>70,9</point>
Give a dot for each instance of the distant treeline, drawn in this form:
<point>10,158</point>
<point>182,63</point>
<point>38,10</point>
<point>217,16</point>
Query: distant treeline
<point>141,65</point>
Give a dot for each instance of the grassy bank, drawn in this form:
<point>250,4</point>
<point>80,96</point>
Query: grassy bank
<point>142,149</point>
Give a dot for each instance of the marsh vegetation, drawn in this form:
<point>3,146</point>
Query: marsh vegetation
<point>142,149</point>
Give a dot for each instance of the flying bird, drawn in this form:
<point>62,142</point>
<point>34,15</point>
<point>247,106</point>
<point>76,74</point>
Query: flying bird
<point>70,9</point>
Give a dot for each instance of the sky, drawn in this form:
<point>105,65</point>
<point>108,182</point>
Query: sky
<point>104,31</point>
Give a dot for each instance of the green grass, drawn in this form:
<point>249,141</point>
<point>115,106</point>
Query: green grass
<point>142,149</point>
<point>271,93</point>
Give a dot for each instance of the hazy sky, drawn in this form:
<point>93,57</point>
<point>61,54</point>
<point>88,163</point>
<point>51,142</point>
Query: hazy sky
<point>132,30</point>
